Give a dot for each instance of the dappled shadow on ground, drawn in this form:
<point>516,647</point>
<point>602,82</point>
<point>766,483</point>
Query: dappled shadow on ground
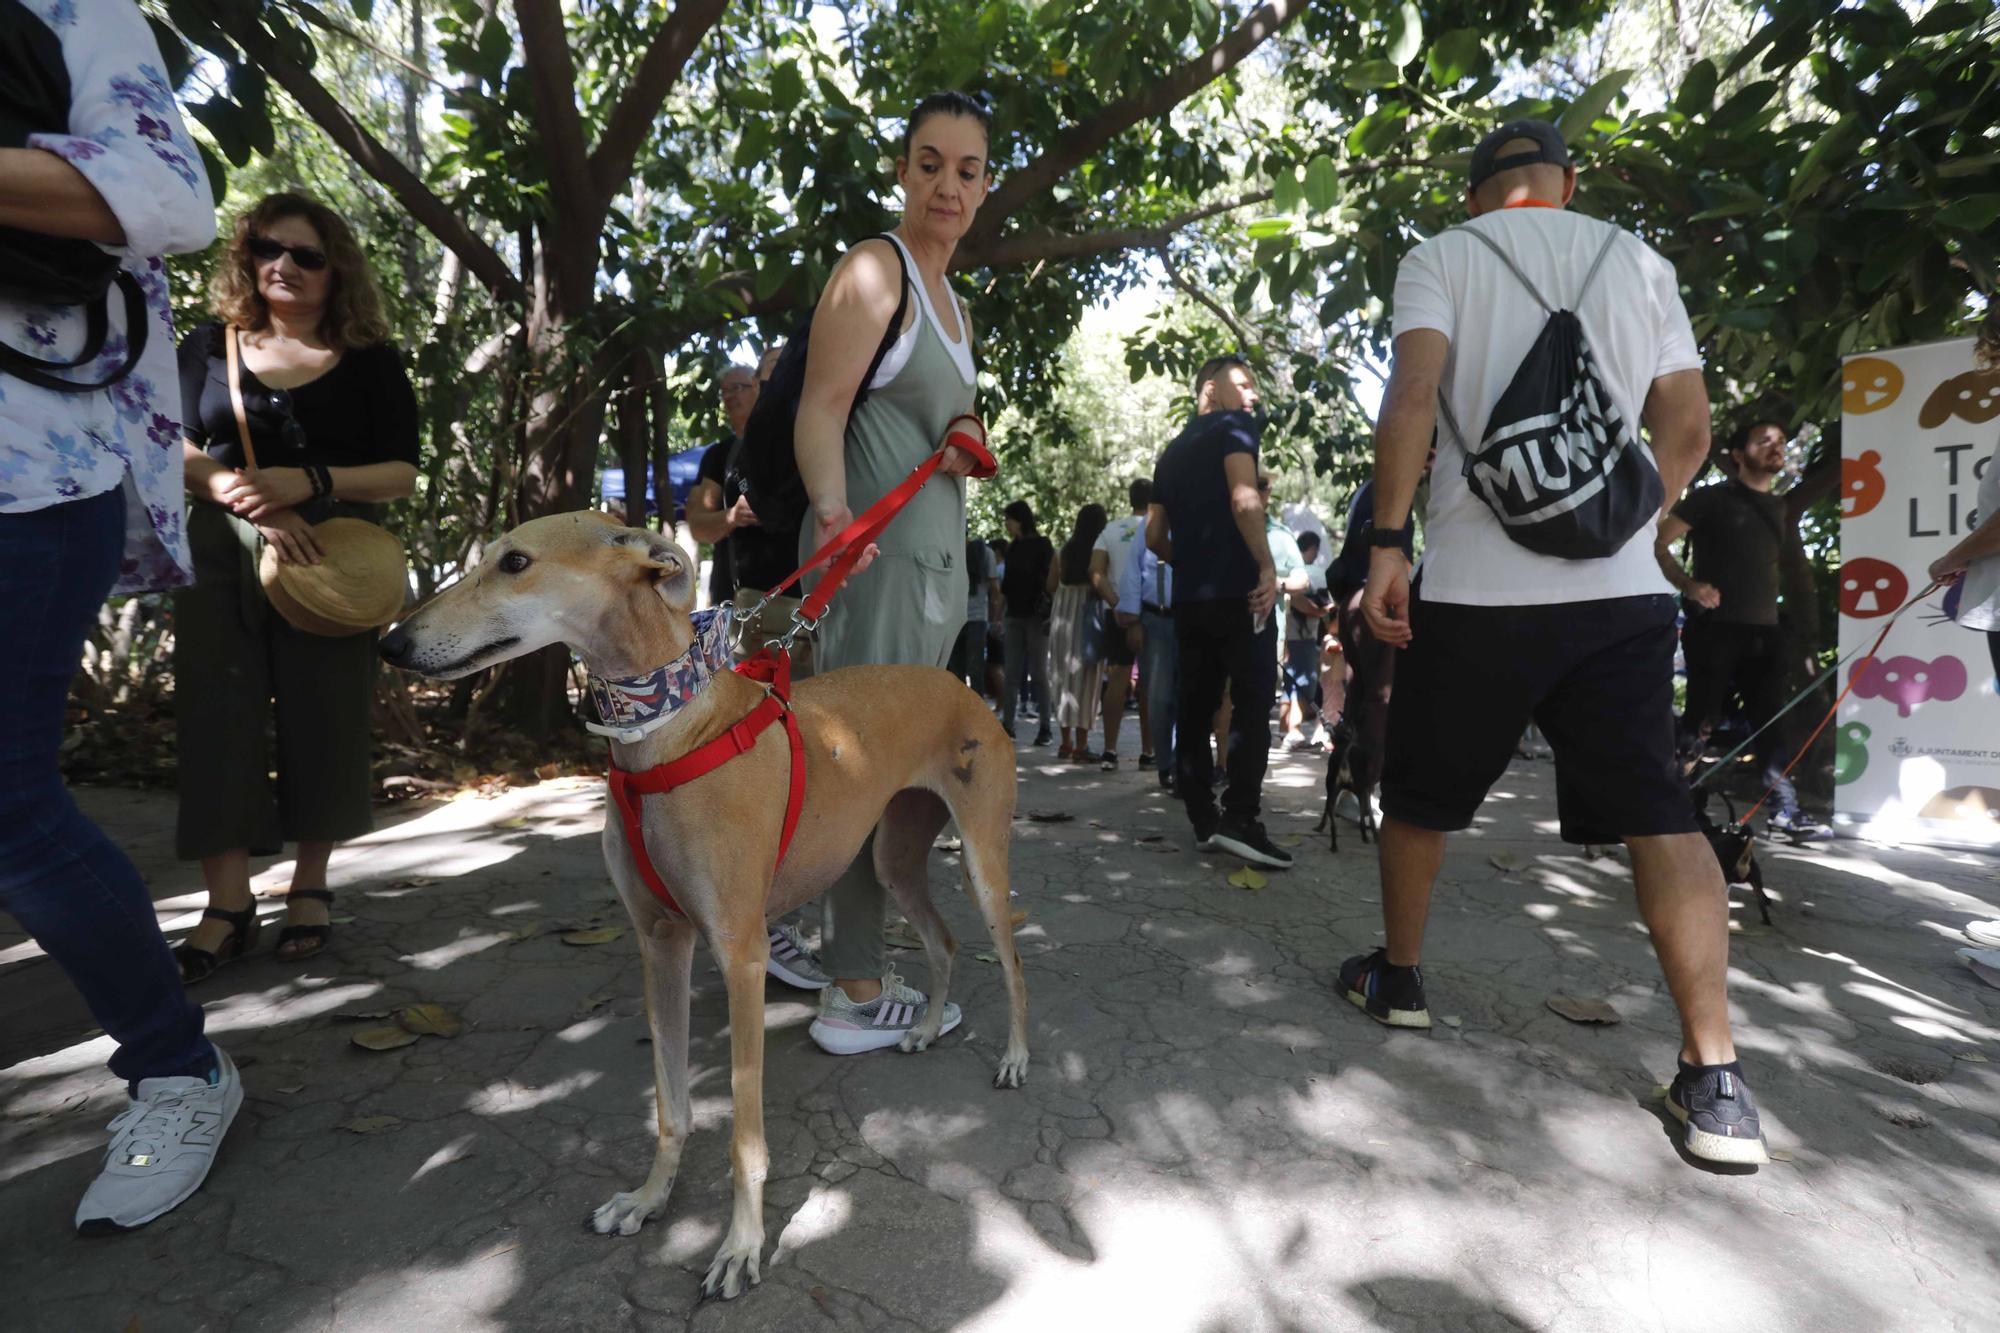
<point>1210,1138</point>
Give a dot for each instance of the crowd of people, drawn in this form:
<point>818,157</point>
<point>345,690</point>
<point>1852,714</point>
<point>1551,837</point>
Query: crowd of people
<point>1543,594</point>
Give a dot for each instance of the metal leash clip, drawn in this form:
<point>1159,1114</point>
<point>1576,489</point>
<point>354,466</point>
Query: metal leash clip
<point>801,624</point>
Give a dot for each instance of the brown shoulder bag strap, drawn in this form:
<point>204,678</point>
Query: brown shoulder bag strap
<point>235,361</point>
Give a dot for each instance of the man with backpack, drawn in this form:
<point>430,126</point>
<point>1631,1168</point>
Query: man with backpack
<point>1539,596</point>
<point>1732,638</point>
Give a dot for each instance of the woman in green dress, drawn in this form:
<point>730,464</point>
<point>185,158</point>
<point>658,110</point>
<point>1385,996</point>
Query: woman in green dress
<point>907,608</point>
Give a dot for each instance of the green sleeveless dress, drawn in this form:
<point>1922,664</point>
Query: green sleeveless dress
<point>906,608</point>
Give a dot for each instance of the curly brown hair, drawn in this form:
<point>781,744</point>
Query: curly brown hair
<point>353,316</point>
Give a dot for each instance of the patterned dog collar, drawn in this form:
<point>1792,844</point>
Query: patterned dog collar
<point>633,707</point>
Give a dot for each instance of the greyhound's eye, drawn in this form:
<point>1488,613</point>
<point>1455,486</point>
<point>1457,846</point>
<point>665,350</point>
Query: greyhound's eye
<point>514,562</point>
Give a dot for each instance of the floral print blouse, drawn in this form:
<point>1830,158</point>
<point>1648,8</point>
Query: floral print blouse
<point>127,138</point>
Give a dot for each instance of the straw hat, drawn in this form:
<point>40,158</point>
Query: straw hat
<point>358,585</point>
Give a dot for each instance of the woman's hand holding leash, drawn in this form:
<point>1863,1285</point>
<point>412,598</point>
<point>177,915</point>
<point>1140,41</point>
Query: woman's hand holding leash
<point>830,519</point>
<point>960,462</point>
<point>1386,603</point>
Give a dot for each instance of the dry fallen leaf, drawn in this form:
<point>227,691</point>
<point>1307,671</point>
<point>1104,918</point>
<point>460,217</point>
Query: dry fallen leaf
<point>1051,816</point>
<point>601,935</point>
<point>901,937</point>
<point>1246,878</point>
<point>1659,1092</point>
<point>1974,1056</point>
<point>1507,861</point>
<point>354,1016</point>
<point>296,1087</point>
<point>1452,1020</point>
<point>1166,847</point>
<point>431,1020</point>
<point>527,930</point>
<point>384,1039</point>
<point>1292,840</point>
<point>987,957</point>
<point>1780,1155</point>
<point>371,1124</point>
<point>1583,1009</point>
<point>547,771</point>
<point>518,821</point>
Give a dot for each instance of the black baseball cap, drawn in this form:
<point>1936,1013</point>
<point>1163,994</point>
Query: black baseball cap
<point>1549,148</point>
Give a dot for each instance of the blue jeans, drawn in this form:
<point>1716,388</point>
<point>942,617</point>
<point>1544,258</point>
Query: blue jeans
<point>75,893</point>
<point>1160,669</point>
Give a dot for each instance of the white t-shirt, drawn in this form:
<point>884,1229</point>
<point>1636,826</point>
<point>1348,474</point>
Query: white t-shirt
<point>1979,599</point>
<point>1638,331</point>
<point>1116,541</point>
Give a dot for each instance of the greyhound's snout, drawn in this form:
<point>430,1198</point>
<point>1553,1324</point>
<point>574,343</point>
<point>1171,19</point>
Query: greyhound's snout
<point>395,646</point>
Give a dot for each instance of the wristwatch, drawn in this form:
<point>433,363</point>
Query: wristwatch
<point>1388,536</point>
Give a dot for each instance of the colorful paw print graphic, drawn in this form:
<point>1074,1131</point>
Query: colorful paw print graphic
<point>1973,396</point>
<point>1869,384</point>
<point>1861,484</point>
<point>1850,753</point>
<point>1909,681</point>
<point>1871,587</point>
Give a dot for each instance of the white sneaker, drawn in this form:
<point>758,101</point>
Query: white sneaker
<point>846,1028</point>
<point>1984,932</point>
<point>162,1146</point>
<point>792,962</point>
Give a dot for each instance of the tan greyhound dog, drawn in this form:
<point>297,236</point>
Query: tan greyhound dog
<point>893,750</point>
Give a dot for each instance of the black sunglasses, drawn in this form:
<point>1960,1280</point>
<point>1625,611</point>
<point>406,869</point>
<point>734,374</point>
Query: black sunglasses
<point>305,256</point>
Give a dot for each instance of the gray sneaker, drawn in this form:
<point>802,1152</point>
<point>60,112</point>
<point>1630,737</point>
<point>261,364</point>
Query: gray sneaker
<point>846,1028</point>
<point>792,962</point>
<point>161,1148</point>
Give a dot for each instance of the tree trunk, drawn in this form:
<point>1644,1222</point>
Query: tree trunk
<point>1801,618</point>
<point>633,439</point>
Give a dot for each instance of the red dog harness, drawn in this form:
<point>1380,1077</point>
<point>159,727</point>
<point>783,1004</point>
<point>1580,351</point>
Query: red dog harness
<point>772,666</point>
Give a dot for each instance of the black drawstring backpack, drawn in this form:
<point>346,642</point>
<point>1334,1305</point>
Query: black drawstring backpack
<point>54,270</point>
<point>1557,465</point>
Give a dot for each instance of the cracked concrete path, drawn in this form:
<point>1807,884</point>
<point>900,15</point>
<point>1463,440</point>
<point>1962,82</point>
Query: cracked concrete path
<point>1210,1138</point>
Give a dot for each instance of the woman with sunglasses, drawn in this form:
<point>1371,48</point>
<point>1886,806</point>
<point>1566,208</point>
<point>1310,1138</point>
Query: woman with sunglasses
<point>333,426</point>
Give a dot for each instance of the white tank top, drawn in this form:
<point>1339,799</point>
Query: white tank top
<point>899,353</point>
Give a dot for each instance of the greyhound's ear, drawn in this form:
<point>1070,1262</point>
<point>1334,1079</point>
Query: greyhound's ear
<point>660,559</point>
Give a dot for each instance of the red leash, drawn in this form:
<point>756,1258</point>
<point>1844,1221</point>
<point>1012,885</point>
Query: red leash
<point>773,668</point>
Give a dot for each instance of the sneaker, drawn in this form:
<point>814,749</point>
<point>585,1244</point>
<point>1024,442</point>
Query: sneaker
<point>1043,737</point>
<point>1715,1105</point>
<point>1110,764</point>
<point>1246,838</point>
<point>792,962</point>
<point>1388,994</point>
<point>1204,837</point>
<point>162,1146</point>
<point>1983,932</point>
<point>846,1028</point>
<point>1798,826</point>
<point>1145,762</point>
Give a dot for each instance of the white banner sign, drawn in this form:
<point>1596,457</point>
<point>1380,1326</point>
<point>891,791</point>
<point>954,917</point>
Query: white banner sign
<point>1918,741</point>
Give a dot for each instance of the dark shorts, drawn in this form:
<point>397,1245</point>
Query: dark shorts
<point>1117,651</point>
<point>1596,677</point>
<point>1300,680</point>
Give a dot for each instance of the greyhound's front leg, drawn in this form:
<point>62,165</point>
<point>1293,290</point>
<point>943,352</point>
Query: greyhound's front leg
<point>667,951</point>
<point>743,957</point>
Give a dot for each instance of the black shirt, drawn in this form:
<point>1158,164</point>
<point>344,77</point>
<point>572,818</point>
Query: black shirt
<point>759,556</point>
<point>714,467</point>
<point>361,411</point>
<point>1736,534</point>
<point>1025,585</point>
<point>1211,563</point>
<point>1350,568</point>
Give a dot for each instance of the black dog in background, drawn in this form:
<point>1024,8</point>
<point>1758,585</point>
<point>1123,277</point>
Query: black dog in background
<point>1735,848</point>
<point>1359,739</point>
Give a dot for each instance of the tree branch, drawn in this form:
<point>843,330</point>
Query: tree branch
<point>368,152</point>
<point>552,75</point>
<point>1086,138</point>
<point>1180,280</point>
<point>657,73</point>
<point>1026,247</point>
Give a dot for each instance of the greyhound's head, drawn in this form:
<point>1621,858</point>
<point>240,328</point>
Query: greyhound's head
<point>619,596</point>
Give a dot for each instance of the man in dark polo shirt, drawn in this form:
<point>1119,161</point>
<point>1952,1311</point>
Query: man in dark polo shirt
<point>1206,519</point>
<point>1731,638</point>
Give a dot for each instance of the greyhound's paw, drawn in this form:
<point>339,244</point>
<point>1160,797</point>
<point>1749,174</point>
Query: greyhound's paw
<point>624,1214</point>
<point>733,1262</point>
<point>1013,1071</point>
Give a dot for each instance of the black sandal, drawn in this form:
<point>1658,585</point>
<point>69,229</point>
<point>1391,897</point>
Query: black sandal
<point>317,934</point>
<point>199,964</point>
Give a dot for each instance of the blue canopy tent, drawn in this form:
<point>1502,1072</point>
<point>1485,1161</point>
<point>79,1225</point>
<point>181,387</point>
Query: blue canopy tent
<point>681,472</point>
